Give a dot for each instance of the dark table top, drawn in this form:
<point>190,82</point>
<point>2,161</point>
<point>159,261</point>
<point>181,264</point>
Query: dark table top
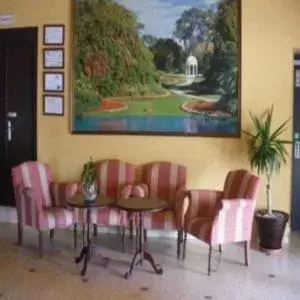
<point>137,204</point>
<point>79,201</point>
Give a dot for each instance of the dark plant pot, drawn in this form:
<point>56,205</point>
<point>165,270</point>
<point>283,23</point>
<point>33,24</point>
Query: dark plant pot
<point>271,228</point>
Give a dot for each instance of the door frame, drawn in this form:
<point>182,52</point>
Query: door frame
<point>294,212</point>
<point>33,32</point>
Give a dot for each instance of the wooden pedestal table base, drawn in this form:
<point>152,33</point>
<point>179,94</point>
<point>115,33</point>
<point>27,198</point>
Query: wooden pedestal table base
<point>86,251</point>
<point>140,206</point>
<point>140,251</point>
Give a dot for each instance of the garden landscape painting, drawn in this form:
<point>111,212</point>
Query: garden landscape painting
<point>159,67</point>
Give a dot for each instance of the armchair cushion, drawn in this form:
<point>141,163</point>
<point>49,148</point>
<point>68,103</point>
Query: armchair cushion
<point>55,217</point>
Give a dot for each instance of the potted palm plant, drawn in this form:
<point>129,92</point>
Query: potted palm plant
<point>88,180</point>
<point>267,153</point>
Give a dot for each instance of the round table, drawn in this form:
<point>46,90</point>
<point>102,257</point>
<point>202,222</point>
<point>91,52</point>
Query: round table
<point>140,206</point>
<point>79,201</point>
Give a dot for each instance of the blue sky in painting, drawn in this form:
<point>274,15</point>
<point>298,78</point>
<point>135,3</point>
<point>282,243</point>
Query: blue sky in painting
<point>159,16</point>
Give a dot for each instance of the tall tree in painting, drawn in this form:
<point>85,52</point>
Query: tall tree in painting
<point>111,59</point>
<point>224,62</point>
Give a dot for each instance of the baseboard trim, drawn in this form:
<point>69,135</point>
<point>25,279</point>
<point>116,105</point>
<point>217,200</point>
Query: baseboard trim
<point>9,215</point>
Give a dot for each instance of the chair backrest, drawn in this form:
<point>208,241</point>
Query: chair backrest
<point>241,184</point>
<point>34,175</point>
<point>163,180</point>
<point>113,175</point>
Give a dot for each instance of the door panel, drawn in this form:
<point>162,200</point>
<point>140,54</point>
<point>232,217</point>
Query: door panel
<point>18,69</point>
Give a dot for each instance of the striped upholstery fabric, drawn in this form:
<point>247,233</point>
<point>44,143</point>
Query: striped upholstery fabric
<point>167,181</point>
<point>61,191</point>
<point>115,179</point>
<point>217,217</point>
<point>161,220</point>
<point>35,205</point>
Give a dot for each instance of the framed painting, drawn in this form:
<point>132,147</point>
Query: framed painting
<point>159,67</point>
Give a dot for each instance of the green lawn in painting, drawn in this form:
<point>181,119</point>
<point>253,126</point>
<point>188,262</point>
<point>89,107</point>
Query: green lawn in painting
<point>164,106</point>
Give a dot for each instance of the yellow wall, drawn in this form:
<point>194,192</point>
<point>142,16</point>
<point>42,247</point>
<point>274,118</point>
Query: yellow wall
<point>270,33</point>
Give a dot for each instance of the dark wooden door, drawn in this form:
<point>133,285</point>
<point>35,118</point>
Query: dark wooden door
<point>18,82</point>
<point>295,205</point>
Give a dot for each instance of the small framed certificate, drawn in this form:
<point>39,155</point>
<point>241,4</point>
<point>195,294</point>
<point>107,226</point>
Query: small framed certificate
<point>53,82</point>
<point>54,34</point>
<point>53,105</point>
<point>54,58</point>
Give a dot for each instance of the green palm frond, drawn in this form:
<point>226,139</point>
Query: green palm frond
<point>267,152</point>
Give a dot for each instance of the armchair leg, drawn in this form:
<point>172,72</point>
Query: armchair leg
<point>145,236</point>
<point>95,230</point>
<point>20,233</point>
<point>40,244</point>
<point>75,235</point>
<point>51,234</point>
<point>220,248</point>
<point>179,242</point>
<point>83,234</point>
<point>131,230</point>
<point>136,236</point>
<point>246,252</point>
<point>184,246</point>
<point>209,260</point>
<point>123,239</point>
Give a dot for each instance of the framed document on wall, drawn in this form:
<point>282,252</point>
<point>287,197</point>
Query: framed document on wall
<point>53,105</point>
<point>53,82</point>
<point>54,34</point>
<point>54,58</point>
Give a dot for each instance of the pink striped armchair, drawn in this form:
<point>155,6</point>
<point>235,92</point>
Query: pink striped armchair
<point>40,202</point>
<point>115,179</point>
<point>167,181</point>
<point>223,217</point>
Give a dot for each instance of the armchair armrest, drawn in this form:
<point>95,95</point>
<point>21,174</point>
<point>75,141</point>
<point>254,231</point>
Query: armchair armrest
<point>203,203</point>
<point>29,208</point>
<point>181,205</point>
<point>238,203</point>
<point>61,191</point>
<point>140,190</point>
<point>126,191</point>
<point>233,222</point>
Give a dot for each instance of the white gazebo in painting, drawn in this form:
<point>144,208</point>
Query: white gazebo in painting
<point>191,67</point>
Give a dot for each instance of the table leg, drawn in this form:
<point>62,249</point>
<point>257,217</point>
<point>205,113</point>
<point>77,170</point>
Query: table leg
<point>86,251</point>
<point>140,251</point>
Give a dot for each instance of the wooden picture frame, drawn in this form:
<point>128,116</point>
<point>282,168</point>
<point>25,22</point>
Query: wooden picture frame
<point>53,82</point>
<point>57,61</point>
<point>193,86</point>
<point>54,34</point>
<point>53,105</point>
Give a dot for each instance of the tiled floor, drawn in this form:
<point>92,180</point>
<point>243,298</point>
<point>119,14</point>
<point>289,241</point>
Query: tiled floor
<point>55,277</point>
